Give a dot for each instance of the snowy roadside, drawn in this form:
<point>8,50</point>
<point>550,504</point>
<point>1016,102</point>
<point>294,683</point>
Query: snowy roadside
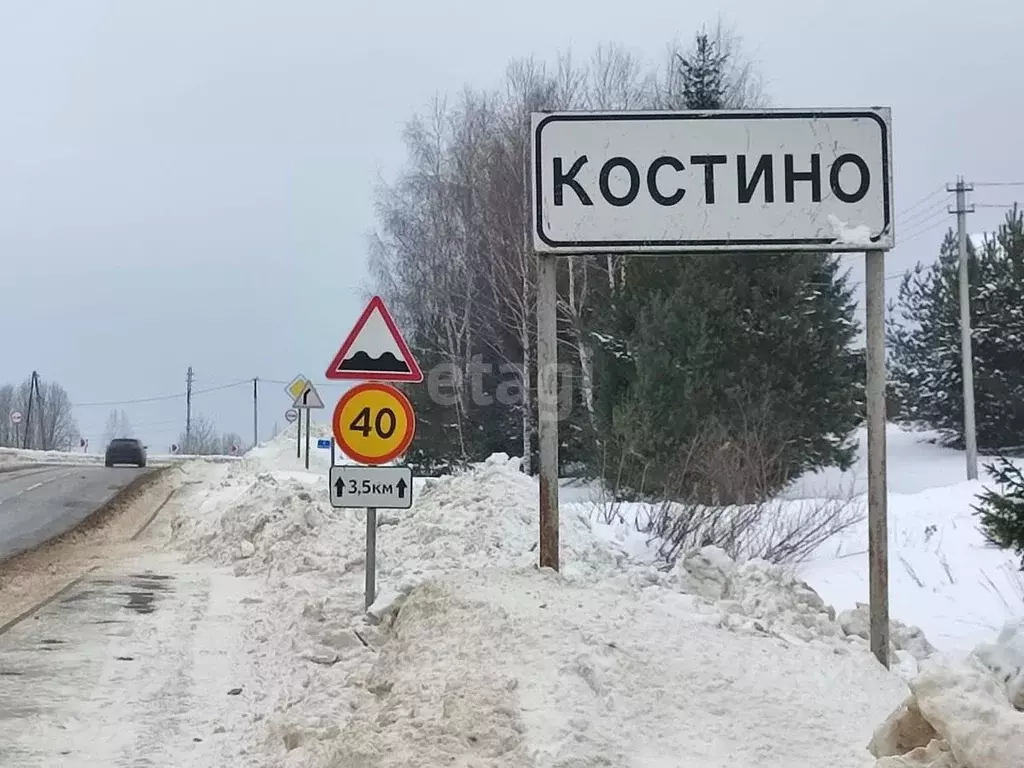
<point>487,651</point>
<point>258,652</point>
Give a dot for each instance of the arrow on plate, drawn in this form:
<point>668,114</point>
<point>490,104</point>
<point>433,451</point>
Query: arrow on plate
<point>401,485</point>
<point>340,486</point>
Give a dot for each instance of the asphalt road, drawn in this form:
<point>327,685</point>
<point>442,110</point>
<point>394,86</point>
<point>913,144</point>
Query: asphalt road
<point>40,502</point>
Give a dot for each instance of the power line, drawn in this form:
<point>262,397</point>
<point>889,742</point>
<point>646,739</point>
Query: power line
<point>998,183</point>
<point>161,398</point>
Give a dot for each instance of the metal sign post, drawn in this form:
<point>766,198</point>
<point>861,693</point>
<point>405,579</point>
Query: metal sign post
<point>547,408</point>
<point>307,438</point>
<point>772,181</point>
<point>370,587</point>
<point>878,528</point>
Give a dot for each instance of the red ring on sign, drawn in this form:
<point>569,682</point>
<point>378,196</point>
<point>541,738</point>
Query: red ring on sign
<point>398,450</point>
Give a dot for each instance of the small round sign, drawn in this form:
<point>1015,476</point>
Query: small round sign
<point>291,415</point>
<point>373,423</point>
<point>15,417</point>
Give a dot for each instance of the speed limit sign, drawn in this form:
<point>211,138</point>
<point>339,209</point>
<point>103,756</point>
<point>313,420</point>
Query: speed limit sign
<point>373,423</point>
<point>15,417</point>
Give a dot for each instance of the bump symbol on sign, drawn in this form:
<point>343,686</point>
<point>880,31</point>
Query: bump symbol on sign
<point>373,423</point>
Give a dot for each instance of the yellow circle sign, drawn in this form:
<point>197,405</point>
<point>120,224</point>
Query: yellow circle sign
<point>373,423</point>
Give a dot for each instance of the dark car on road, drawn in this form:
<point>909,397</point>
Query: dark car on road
<point>126,450</point>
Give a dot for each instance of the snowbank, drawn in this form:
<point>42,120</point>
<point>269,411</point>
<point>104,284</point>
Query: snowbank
<point>497,667</point>
<point>472,654</point>
<point>962,712</point>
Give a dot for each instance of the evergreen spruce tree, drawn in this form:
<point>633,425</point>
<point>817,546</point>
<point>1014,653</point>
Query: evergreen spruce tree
<point>1002,512</point>
<point>703,75</point>
<point>726,342</point>
<point>924,340</point>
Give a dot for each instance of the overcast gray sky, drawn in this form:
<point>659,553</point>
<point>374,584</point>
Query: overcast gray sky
<point>188,182</point>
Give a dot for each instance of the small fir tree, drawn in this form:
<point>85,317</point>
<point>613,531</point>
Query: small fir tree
<point>1002,512</point>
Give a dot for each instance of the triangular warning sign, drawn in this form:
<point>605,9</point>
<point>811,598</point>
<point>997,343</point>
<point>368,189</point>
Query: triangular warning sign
<point>374,350</point>
<point>309,398</point>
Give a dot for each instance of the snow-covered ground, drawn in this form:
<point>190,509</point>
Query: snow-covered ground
<point>943,576</point>
<point>471,656</point>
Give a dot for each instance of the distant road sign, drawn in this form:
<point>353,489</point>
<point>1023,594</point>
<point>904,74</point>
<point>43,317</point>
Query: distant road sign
<point>373,423</point>
<point>786,179</point>
<point>291,415</point>
<point>308,398</point>
<point>380,487</point>
<point>374,350</point>
<point>321,443</point>
<point>15,417</point>
<point>296,387</point>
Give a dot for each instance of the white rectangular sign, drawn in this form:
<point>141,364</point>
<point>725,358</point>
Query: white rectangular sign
<point>673,182</point>
<point>382,487</point>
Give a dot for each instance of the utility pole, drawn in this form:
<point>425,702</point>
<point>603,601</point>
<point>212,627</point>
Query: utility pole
<point>43,444</point>
<point>967,361</point>
<point>255,413</point>
<point>28,411</point>
<point>188,411</point>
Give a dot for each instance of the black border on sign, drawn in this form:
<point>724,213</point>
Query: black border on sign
<point>697,115</point>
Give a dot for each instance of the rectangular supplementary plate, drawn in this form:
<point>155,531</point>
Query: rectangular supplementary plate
<point>679,182</point>
<point>360,486</point>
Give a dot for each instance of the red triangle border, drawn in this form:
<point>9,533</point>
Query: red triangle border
<point>415,374</point>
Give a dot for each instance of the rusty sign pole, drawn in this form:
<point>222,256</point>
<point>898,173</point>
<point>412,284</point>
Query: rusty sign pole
<point>878,528</point>
<point>547,406</point>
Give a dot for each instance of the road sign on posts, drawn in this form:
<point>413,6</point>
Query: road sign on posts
<point>373,423</point>
<point>323,444</point>
<point>374,350</point>
<point>678,183</point>
<point>291,415</point>
<point>674,182</point>
<point>355,486</point>
<point>15,417</point>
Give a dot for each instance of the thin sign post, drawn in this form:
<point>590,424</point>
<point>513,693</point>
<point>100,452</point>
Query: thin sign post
<point>307,437</point>
<point>370,587</point>
<point>678,183</point>
<point>878,526</point>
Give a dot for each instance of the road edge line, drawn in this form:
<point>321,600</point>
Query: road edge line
<point>42,604</point>
<point>152,517</point>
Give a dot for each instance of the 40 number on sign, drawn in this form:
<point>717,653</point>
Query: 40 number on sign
<point>373,423</point>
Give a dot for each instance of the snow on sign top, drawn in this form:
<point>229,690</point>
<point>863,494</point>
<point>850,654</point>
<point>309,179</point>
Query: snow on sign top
<point>374,350</point>
<point>676,182</point>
